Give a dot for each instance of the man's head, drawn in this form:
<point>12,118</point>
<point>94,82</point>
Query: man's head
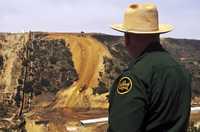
<point>136,43</point>
<point>141,27</point>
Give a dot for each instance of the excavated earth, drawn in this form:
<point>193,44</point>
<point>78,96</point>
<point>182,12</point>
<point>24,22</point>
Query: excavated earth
<point>65,78</point>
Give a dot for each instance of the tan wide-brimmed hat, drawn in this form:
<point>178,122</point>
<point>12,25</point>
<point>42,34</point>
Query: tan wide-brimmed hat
<point>142,19</point>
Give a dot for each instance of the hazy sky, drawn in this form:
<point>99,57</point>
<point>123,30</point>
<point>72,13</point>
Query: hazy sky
<point>93,15</point>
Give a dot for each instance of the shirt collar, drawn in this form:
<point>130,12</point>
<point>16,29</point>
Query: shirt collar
<point>152,47</point>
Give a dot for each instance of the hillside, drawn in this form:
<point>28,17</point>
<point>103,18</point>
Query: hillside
<point>65,77</point>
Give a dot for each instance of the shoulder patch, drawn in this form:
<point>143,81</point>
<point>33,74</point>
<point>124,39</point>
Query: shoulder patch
<point>124,85</point>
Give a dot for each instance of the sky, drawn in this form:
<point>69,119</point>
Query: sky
<point>94,16</point>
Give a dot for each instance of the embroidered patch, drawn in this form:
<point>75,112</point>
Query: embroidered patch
<point>124,85</point>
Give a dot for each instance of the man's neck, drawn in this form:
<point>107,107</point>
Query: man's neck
<point>137,51</point>
<point>136,44</point>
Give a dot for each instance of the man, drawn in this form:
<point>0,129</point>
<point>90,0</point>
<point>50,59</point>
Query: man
<point>154,93</point>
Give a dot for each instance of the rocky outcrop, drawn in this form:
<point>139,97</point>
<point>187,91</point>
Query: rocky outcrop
<point>29,66</point>
<point>49,65</point>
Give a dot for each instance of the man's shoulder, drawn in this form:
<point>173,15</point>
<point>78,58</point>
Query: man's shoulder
<point>156,60</point>
<point>153,62</point>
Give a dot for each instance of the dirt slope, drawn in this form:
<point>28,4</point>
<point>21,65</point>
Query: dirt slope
<point>77,101</point>
<point>9,49</point>
<point>87,54</point>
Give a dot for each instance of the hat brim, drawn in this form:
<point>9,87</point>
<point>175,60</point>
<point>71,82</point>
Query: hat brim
<point>163,28</point>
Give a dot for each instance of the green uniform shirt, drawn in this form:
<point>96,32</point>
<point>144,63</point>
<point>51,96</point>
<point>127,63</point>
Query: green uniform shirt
<point>152,95</point>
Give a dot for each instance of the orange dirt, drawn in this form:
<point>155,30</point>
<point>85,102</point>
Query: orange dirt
<point>77,101</point>
<point>87,54</point>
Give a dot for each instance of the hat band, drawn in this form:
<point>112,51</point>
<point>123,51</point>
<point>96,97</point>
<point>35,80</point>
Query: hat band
<point>141,29</point>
